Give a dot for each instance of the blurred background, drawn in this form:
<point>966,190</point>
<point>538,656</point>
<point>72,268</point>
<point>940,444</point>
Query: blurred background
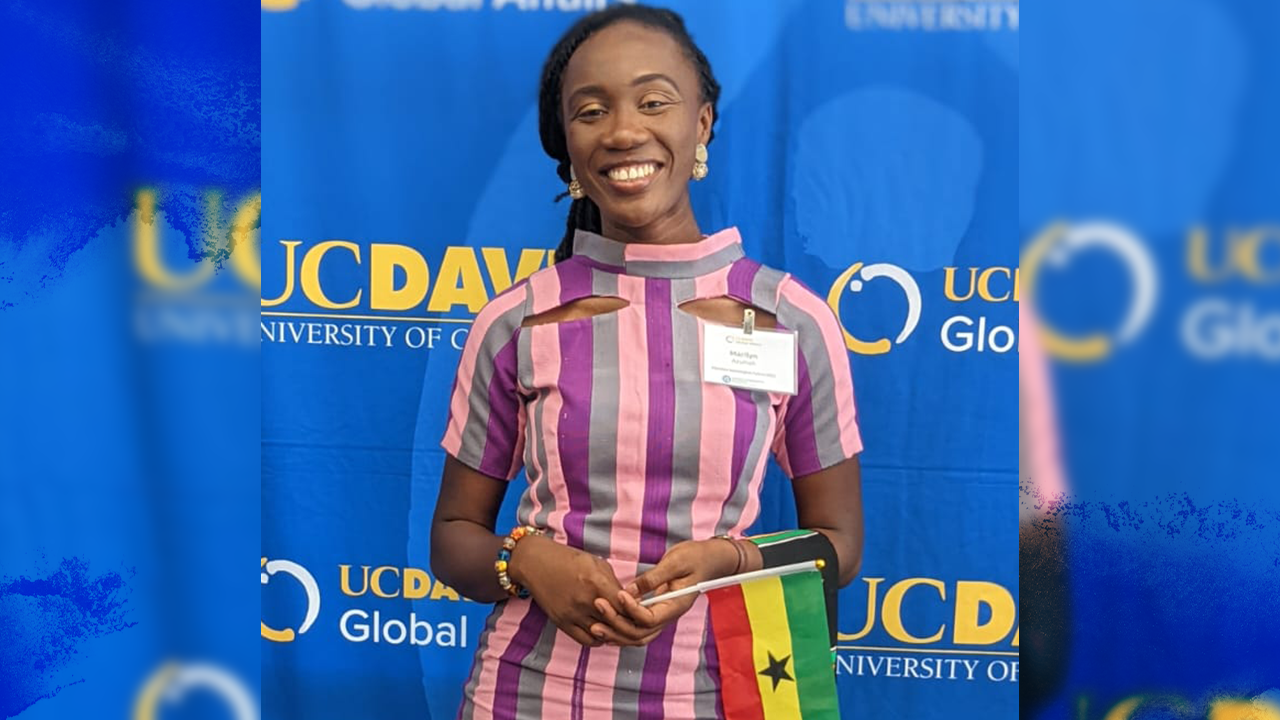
<point>129,372</point>
<point>1151,515</point>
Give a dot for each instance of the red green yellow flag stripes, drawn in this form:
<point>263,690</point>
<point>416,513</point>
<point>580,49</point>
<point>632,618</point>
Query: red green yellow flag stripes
<point>772,640</point>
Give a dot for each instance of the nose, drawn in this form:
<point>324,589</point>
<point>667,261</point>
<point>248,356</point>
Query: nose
<point>626,130</point>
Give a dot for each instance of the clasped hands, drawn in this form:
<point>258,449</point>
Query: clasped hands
<point>580,594</point>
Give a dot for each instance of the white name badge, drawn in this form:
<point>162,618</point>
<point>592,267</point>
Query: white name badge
<point>762,360</point>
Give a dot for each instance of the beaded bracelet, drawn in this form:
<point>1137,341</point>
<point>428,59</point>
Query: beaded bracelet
<point>504,559</point>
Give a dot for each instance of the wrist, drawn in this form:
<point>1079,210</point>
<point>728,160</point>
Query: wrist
<point>736,558</point>
<point>521,558</point>
<point>752,558</point>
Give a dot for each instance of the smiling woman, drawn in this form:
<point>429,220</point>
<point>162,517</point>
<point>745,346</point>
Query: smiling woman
<point>643,470</point>
<point>628,100</point>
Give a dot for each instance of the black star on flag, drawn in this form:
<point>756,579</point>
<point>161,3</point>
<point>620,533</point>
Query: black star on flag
<point>777,670</point>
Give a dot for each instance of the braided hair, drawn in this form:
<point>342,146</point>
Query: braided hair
<point>584,214</point>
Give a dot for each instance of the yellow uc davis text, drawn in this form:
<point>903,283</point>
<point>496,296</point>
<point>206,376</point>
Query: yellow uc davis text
<point>963,601</point>
<point>391,277</point>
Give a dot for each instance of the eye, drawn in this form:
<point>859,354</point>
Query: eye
<point>590,112</point>
<point>654,103</point>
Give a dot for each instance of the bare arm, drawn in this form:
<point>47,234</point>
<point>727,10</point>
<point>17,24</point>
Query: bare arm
<point>830,501</point>
<point>463,543</point>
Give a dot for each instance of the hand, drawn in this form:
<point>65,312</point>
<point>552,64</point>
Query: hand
<point>564,581</point>
<point>685,564</point>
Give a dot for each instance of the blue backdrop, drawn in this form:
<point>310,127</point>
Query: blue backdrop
<point>128,418</point>
<point>870,148</point>
<point>1172,523</point>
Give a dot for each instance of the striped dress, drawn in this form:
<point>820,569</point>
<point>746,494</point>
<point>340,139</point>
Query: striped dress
<point>628,452</point>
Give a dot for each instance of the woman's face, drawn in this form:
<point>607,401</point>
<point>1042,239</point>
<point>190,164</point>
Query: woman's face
<point>633,113</point>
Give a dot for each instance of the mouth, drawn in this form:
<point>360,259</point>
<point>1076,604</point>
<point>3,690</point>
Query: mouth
<point>631,177</point>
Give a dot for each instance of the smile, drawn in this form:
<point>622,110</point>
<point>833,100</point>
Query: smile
<point>632,172</point>
<point>631,177</point>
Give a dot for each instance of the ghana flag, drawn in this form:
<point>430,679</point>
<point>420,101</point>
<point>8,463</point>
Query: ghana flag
<point>772,639</point>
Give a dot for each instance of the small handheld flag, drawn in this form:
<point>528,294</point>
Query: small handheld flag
<point>771,635</point>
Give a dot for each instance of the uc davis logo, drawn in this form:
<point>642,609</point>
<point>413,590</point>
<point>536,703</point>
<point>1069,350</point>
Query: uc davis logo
<point>854,284</point>
<point>172,681</point>
<point>925,628</point>
<point>303,576</point>
<point>1055,246</point>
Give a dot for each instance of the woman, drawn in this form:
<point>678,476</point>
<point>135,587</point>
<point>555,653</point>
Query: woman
<point>588,375</point>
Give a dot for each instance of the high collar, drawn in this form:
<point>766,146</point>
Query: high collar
<point>682,260</point>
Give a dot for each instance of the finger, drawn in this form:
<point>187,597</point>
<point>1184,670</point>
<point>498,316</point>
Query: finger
<point>655,576</point>
<point>634,591</point>
<point>636,612</point>
<point>586,639</point>
<point>606,597</point>
<point>660,614</point>
<point>621,624</point>
<point>650,637</point>
<point>580,635</point>
<point>606,586</point>
<point>609,636</point>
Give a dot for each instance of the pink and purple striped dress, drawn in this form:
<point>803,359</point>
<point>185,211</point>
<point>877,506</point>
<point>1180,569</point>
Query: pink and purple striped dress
<point>627,452</point>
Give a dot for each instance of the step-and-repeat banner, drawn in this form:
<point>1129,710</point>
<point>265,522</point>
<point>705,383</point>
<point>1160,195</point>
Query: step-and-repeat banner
<point>868,147</point>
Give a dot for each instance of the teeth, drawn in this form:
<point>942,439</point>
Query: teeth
<point>632,172</point>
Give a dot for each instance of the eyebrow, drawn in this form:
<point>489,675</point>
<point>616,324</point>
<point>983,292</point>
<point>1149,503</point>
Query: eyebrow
<point>640,80</point>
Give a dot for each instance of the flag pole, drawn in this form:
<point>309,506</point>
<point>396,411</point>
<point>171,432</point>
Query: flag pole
<point>728,580</point>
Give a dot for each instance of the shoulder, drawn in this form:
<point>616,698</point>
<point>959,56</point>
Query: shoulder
<point>542,290</point>
<point>775,291</point>
<point>755,283</point>
<point>794,292</point>
<point>803,310</point>
<point>502,315</point>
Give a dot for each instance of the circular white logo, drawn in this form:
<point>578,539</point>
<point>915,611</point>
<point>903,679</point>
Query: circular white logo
<point>854,279</point>
<point>172,681</point>
<point>303,576</point>
<point>1055,247</point>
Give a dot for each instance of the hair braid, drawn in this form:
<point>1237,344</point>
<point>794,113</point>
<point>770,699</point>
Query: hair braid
<point>584,214</point>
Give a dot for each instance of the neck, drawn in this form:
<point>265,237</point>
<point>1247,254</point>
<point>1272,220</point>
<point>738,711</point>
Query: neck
<point>678,226</point>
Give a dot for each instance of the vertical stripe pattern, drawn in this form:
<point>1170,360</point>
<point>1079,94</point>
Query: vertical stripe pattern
<point>662,409</point>
<point>628,452</point>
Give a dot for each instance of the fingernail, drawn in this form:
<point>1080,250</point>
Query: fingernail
<point>633,589</point>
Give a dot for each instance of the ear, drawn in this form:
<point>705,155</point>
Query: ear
<point>706,117</point>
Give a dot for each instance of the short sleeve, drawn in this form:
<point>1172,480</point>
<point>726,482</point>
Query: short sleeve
<point>485,429</point>
<point>818,426</point>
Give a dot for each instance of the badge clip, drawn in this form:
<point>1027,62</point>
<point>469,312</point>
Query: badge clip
<point>748,321</point>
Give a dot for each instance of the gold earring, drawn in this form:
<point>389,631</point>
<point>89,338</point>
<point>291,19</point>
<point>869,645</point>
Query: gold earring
<point>699,162</point>
<point>575,188</point>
